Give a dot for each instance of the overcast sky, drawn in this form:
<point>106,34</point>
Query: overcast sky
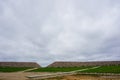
<point>45,31</point>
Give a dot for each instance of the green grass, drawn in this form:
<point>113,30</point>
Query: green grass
<point>105,69</point>
<point>57,69</point>
<point>102,69</point>
<point>12,69</point>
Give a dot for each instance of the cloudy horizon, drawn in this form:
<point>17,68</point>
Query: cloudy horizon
<point>45,31</point>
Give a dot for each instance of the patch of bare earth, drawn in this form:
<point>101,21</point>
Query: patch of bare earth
<point>17,75</point>
<point>86,77</point>
<point>22,76</point>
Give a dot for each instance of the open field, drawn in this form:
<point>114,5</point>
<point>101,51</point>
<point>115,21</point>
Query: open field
<point>110,70</point>
<point>57,69</point>
<point>104,69</point>
<point>12,69</point>
<point>12,75</point>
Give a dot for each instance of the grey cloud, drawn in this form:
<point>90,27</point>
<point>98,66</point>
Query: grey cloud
<point>45,31</point>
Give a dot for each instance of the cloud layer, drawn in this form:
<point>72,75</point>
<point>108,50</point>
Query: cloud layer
<point>52,30</point>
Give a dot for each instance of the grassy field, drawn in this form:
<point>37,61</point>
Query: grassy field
<point>12,69</point>
<point>102,69</point>
<point>63,69</point>
<point>105,69</point>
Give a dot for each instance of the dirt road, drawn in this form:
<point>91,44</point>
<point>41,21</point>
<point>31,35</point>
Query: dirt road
<point>21,76</point>
<point>17,75</point>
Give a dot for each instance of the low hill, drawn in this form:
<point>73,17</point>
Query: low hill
<point>78,64</point>
<point>19,64</point>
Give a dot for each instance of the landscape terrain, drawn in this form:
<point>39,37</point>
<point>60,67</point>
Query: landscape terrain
<point>108,72</point>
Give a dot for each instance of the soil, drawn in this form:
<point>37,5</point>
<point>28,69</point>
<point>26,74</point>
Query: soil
<point>86,77</point>
<point>21,76</point>
<point>17,75</point>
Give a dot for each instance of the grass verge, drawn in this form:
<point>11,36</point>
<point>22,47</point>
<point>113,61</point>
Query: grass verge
<point>58,69</point>
<point>104,69</point>
<point>12,69</point>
